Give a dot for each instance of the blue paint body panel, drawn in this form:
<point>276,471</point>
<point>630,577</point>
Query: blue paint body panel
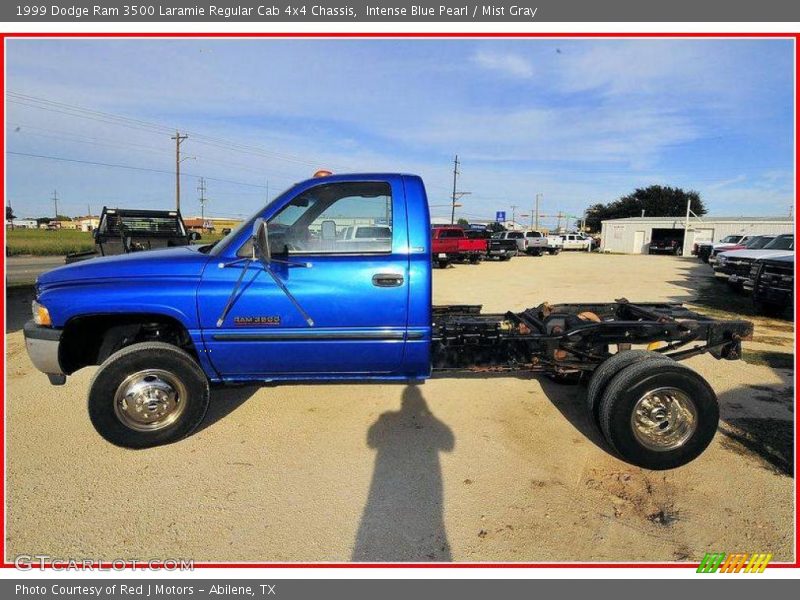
<point>360,330</point>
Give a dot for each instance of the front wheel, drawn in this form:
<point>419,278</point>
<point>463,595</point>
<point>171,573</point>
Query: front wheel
<point>148,394</point>
<point>659,415</point>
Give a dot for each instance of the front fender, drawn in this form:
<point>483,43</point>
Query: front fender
<point>171,297</point>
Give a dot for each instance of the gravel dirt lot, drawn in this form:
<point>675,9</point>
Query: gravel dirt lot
<point>472,468</point>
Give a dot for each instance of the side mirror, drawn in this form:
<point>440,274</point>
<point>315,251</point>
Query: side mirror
<point>260,235</point>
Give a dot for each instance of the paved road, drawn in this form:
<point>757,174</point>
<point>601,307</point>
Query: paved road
<point>466,467</point>
<point>25,269</point>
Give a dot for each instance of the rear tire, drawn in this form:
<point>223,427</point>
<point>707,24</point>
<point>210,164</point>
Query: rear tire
<point>659,415</point>
<point>443,263</point>
<point>608,369</point>
<point>148,394</point>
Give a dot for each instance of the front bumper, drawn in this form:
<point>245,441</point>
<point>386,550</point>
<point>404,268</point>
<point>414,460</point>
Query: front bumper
<point>42,344</point>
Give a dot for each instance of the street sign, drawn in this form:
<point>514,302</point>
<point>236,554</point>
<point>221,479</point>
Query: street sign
<point>500,216</point>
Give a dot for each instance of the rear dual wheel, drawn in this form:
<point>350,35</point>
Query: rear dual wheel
<point>654,412</point>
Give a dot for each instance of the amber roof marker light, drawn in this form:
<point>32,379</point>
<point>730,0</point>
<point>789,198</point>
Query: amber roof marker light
<point>323,173</point>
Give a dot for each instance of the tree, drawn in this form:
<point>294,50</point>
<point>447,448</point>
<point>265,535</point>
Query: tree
<point>10,216</point>
<point>462,221</point>
<point>655,201</point>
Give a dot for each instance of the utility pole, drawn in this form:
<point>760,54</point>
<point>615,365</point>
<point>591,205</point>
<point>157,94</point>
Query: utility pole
<point>55,203</point>
<point>202,189</point>
<point>514,214</point>
<point>11,220</point>
<point>456,194</point>
<point>455,178</point>
<point>178,141</point>
<point>536,227</point>
<point>686,227</point>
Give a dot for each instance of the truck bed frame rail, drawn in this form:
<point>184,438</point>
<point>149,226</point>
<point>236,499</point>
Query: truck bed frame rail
<point>575,338</point>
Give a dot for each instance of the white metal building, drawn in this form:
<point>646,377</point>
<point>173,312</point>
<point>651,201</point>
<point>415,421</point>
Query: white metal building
<point>633,235</point>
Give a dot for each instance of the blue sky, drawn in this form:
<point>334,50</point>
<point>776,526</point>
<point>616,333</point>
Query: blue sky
<point>580,121</point>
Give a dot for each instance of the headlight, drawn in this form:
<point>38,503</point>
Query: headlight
<point>721,259</point>
<point>41,316</point>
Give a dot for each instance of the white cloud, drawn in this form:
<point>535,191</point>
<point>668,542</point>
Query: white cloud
<point>506,63</point>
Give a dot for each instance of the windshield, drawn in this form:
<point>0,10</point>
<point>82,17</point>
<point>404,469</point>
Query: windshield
<point>758,242</point>
<point>731,239</point>
<point>781,243</point>
<point>220,247</point>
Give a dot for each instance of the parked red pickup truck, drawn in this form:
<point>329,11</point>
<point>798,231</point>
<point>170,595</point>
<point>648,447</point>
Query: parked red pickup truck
<point>449,244</point>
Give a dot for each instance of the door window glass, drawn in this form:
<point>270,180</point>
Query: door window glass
<point>335,218</point>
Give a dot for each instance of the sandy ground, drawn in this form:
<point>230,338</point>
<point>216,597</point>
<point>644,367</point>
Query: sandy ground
<point>485,468</point>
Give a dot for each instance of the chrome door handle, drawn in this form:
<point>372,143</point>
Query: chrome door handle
<point>387,280</point>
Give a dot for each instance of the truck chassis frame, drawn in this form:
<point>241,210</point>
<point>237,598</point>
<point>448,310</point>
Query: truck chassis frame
<point>564,339</point>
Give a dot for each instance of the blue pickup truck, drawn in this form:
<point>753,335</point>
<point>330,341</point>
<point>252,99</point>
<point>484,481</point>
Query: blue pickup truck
<point>288,296</point>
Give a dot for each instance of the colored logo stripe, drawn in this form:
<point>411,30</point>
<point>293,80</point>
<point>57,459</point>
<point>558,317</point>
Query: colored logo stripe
<point>734,563</point>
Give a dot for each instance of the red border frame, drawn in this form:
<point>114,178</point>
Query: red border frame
<point>406,35</point>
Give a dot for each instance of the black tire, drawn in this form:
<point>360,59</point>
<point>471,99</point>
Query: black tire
<point>556,252</point>
<point>633,383</point>
<point>443,263</point>
<point>474,260</point>
<point>141,357</point>
<point>505,258</point>
<point>603,375</point>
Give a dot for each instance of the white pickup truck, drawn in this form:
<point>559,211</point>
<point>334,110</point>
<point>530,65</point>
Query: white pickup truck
<point>534,243</point>
<point>537,243</point>
<point>577,241</point>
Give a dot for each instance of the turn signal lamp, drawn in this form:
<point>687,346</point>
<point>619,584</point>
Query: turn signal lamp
<point>41,316</point>
<point>323,173</point>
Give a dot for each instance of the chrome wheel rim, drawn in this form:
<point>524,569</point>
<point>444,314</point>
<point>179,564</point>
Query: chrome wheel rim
<point>150,400</point>
<point>664,419</point>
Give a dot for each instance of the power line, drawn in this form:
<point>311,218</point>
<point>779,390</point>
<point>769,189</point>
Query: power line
<point>129,167</point>
<point>110,118</point>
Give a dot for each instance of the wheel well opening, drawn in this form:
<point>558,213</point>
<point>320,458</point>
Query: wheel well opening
<point>90,340</point>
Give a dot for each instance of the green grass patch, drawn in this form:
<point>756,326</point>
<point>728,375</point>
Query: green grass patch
<point>40,242</point>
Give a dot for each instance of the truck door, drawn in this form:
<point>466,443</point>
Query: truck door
<point>355,291</point>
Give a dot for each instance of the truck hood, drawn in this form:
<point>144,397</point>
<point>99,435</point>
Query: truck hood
<point>754,254</point>
<point>185,261</point>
